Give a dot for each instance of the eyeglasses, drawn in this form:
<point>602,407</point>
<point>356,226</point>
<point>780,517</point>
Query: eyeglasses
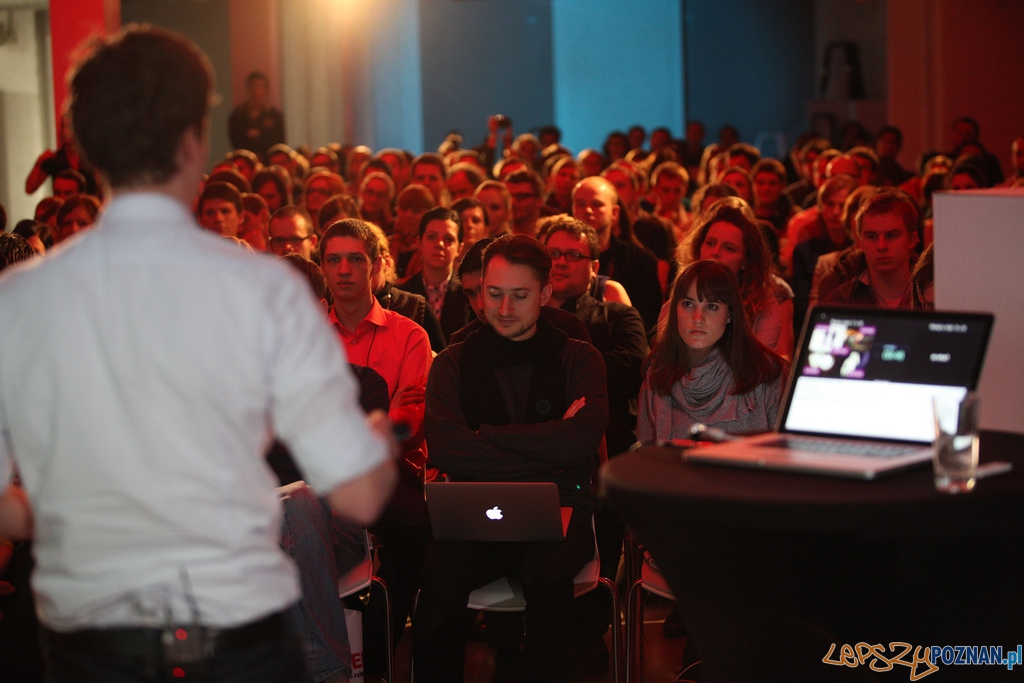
<point>292,241</point>
<point>570,256</point>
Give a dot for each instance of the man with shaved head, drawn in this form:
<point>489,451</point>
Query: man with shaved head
<point>596,203</point>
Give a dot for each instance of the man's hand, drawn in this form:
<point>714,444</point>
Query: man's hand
<point>15,514</point>
<point>575,407</point>
<point>379,422</point>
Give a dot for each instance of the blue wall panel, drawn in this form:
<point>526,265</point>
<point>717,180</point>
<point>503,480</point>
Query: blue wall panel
<point>616,64</point>
<point>483,57</point>
<point>750,63</point>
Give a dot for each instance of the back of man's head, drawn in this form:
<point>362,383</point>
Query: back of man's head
<point>133,97</point>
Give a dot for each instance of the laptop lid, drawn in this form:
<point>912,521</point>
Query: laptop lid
<point>495,511</point>
<point>870,373</point>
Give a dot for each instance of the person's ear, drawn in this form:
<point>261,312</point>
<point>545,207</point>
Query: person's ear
<point>545,294</point>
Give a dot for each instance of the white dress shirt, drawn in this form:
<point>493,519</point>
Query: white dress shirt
<point>144,367</point>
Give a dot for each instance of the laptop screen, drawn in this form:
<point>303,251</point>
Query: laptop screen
<point>871,373</point>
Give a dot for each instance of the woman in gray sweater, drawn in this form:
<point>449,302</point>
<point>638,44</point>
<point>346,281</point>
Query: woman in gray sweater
<point>707,366</point>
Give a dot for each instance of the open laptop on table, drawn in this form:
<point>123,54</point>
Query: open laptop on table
<point>496,511</point>
<point>859,398</point>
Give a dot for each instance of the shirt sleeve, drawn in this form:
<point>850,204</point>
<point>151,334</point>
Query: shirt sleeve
<point>314,396</point>
<point>6,464</point>
<point>412,374</point>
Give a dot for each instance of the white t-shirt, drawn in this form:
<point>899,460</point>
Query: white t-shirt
<point>144,367</point>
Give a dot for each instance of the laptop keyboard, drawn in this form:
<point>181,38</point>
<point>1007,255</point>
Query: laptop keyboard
<point>822,445</point>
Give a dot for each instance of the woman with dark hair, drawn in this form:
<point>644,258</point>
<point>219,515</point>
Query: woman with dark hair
<point>77,213</point>
<point>274,184</point>
<point>728,232</point>
<point>707,366</point>
<point>616,146</point>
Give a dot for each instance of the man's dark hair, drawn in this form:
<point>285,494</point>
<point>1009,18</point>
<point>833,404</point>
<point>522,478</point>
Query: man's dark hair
<point>3,218</point>
<point>467,203</point>
<point>293,211</point>
<point>232,177</point>
<point>432,159</point>
<point>254,203</point>
<point>75,201</point>
<point>221,190</point>
<point>866,153</point>
<point>356,228</point>
<point>552,131</point>
<point>527,176</point>
<point>310,271</point>
<point>890,200</point>
<point>72,174</point>
<point>894,131</point>
<point>577,229</point>
<point>256,76</point>
<point>47,208</point>
<point>336,208</point>
<point>521,250</point>
<point>279,177</point>
<point>973,123</point>
<point>441,213</point>
<point>752,154</point>
<point>14,248</point>
<point>473,260</point>
<point>133,97</point>
<point>29,228</point>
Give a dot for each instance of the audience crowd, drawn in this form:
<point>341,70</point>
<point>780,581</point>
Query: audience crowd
<point>525,313</point>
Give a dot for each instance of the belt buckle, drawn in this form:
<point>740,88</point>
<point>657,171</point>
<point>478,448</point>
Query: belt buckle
<point>186,644</point>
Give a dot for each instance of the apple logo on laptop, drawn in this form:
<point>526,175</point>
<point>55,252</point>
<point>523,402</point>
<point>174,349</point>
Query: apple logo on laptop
<point>494,513</point>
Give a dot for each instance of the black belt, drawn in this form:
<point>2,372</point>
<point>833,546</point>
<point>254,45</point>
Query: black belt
<point>144,641</point>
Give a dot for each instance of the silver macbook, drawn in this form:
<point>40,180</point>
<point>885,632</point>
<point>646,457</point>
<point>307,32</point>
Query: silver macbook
<point>496,511</point>
<point>859,398</point>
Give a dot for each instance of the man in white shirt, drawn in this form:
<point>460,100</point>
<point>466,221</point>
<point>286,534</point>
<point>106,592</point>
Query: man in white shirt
<point>155,364</point>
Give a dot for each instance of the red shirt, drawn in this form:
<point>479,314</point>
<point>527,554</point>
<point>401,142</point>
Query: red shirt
<point>398,349</point>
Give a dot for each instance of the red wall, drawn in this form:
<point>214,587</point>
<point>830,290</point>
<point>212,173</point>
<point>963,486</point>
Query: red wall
<point>71,22</point>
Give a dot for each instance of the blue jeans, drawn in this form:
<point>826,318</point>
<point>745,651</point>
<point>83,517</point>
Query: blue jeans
<point>323,546</point>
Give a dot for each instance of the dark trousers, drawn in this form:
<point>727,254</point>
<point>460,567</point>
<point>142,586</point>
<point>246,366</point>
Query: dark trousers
<point>453,569</point>
<point>272,660</point>
<point>404,532</point>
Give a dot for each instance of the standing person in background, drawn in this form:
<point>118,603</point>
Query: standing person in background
<point>255,124</point>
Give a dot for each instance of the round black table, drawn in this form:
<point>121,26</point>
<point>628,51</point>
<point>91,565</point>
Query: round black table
<point>770,569</point>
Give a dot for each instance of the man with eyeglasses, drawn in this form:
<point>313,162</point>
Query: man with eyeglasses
<point>291,232</point>
<point>617,331</point>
